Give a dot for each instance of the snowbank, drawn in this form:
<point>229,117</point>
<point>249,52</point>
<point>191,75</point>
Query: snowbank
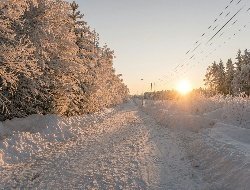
<point>229,134</point>
<point>22,138</point>
<point>215,133</point>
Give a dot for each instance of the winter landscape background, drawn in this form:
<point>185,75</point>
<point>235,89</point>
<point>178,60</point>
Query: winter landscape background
<point>68,121</point>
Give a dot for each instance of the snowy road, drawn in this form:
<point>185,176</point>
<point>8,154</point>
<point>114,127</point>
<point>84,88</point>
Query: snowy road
<point>127,150</point>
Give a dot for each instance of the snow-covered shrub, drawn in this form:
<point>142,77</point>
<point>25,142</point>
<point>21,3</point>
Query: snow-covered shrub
<point>226,109</point>
<point>198,104</point>
<point>236,111</point>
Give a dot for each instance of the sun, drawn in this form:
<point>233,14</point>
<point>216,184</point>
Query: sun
<point>184,87</point>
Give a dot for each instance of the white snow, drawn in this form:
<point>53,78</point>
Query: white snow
<point>215,133</point>
<point>23,138</point>
<point>192,143</point>
<point>124,150</point>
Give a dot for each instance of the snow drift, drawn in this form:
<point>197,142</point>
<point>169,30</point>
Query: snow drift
<point>21,139</point>
<point>215,133</point>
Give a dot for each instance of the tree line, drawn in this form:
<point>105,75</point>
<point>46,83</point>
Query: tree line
<point>51,61</point>
<point>231,78</point>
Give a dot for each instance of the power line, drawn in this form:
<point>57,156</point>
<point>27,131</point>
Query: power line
<point>225,25</point>
<point>216,19</point>
<point>179,66</point>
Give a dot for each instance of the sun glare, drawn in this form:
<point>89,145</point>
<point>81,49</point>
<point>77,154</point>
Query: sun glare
<point>184,87</point>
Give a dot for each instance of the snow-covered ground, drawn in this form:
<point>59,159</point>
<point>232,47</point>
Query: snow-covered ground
<point>125,149</point>
<point>215,133</point>
<point>194,143</point>
<point>21,139</point>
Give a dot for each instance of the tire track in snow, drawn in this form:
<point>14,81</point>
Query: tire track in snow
<point>128,150</point>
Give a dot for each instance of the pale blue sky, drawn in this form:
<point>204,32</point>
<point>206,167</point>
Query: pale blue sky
<point>150,38</point>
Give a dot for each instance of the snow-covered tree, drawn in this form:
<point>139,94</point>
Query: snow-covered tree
<point>18,64</point>
<point>241,81</point>
<point>235,79</point>
<point>221,78</point>
<point>102,81</point>
<point>51,62</point>
<point>229,76</point>
<point>239,61</point>
<point>215,78</point>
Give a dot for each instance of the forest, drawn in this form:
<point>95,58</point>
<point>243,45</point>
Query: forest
<point>51,62</point>
<point>232,78</point>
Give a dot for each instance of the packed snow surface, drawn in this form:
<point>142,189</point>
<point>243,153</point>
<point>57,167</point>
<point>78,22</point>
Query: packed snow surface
<point>187,144</point>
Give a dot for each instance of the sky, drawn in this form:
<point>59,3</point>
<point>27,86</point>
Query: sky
<point>151,37</point>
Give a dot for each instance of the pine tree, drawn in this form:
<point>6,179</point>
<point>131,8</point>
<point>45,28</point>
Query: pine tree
<point>242,77</point>
<point>101,78</point>
<point>234,80</point>
<point>221,78</point>
<point>239,61</point>
<point>210,78</point>
<point>215,78</point>
<point>229,76</point>
<point>246,57</point>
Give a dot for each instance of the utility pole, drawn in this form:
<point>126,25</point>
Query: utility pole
<point>142,93</point>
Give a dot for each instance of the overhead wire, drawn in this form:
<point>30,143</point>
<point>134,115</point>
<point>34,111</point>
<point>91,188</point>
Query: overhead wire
<point>193,56</point>
<point>225,25</point>
<point>220,35</point>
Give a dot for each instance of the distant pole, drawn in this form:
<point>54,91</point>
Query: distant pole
<point>151,86</point>
<point>142,94</point>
